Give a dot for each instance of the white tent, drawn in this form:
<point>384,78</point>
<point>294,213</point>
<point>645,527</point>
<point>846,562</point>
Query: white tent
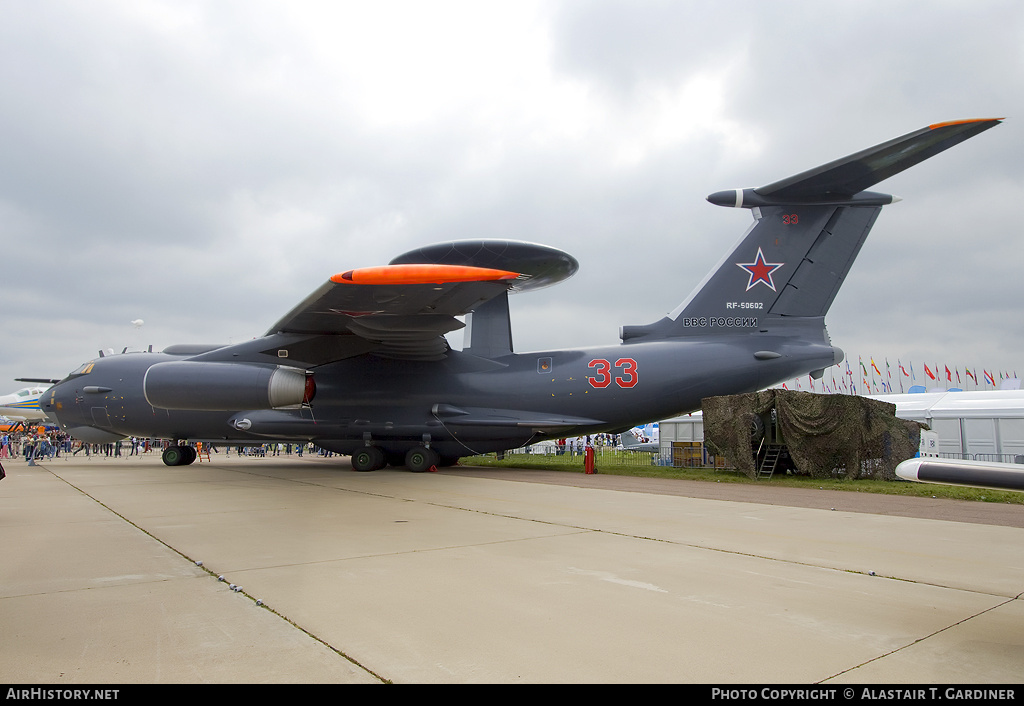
<point>978,424</point>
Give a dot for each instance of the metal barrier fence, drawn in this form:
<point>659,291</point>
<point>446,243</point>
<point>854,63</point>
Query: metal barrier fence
<point>694,457</point>
<point>573,456</point>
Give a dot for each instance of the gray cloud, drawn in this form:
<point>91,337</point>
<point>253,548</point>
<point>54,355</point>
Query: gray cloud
<point>203,167</point>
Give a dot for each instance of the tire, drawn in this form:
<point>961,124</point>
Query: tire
<point>369,458</point>
<point>173,456</point>
<point>421,459</point>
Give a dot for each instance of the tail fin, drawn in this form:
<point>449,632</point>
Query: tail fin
<point>807,232</point>
<point>634,440</point>
<point>628,440</point>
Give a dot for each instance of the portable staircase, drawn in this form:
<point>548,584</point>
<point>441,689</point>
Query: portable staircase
<point>772,447</point>
<point>772,453</point>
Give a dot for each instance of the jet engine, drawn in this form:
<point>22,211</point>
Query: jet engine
<point>225,386</point>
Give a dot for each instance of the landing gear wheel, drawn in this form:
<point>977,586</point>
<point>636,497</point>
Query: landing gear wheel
<point>420,459</point>
<point>173,456</point>
<point>178,455</point>
<point>368,458</point>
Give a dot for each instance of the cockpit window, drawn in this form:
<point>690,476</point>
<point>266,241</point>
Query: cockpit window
<point>86,368</point>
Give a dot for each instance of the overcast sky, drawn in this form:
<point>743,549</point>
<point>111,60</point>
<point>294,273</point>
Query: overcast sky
<point>203,166</point>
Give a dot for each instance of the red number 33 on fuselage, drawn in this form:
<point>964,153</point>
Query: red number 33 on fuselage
<point>627,366</point>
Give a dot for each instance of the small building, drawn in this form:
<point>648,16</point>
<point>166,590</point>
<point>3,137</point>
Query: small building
<point>682,442</point>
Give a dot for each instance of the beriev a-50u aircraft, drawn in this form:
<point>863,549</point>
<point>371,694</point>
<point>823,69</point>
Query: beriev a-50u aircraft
<point>361,366</point>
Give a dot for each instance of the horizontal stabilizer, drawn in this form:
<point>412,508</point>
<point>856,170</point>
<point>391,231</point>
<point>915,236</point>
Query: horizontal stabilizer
<point>844,181</point>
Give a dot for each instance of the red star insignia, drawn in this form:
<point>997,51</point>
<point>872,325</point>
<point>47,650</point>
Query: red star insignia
<point>760,271</point>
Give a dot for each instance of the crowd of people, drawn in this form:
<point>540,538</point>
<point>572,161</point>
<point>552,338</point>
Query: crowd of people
<point>575,447</point>
<point>54,444</point>
<point>35,444</point>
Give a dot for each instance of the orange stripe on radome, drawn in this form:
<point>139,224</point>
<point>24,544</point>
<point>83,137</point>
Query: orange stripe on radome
<point>421,274</point>
<point>936,126</point>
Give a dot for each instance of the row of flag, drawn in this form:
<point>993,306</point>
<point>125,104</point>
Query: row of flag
<point>870,380</point>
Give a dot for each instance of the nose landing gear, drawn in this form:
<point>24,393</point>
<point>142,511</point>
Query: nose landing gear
<point>178,455</point>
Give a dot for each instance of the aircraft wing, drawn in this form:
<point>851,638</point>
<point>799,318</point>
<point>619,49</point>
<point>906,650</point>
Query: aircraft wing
<point>403,310</point>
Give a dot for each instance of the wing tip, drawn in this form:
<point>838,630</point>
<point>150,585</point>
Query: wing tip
<point>950,123</point>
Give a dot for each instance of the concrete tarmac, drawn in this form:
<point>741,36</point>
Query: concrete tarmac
<point>471,576</point>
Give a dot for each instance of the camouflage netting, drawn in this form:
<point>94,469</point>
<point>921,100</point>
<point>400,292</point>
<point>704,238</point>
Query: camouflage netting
<point>827,435</point>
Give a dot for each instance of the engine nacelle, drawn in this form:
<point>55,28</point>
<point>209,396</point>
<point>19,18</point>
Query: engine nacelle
<point>225,386</point>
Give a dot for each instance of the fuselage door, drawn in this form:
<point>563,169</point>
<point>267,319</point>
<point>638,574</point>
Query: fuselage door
<point>100,418</point>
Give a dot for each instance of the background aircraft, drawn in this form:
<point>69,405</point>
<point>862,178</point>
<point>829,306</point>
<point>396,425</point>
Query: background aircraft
<point>23,405</point>
<point>361,366</point>
<point>632,441</point>
<point>975,474</point>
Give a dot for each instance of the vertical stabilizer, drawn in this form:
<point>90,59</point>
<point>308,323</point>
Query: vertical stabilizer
<point>808,230</point>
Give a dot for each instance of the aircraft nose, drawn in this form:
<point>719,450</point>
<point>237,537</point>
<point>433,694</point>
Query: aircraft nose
<point>52,402</point>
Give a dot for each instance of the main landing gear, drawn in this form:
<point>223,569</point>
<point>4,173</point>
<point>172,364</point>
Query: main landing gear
<point>178,455</point>
<point>368,458</point>
<point>421,459</point>
<point>417,460</point>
